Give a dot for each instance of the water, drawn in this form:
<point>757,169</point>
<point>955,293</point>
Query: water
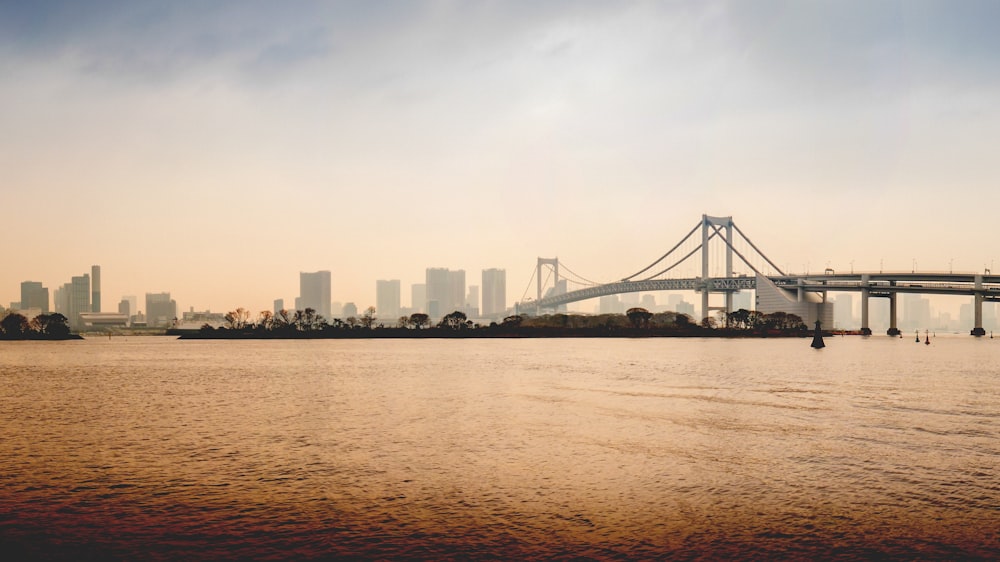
<point>154,448</point>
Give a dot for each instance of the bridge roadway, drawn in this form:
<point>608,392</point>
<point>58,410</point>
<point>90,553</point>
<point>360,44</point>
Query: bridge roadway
<point>881,284</point>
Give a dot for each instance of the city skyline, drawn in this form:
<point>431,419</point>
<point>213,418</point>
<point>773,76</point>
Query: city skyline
<point>178,144</point>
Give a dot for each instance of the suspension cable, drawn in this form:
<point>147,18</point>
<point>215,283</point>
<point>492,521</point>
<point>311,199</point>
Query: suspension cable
<point>745,260</point>
<point>680,261</point>
<point>648,267</point>
<point>761,254</point>
<point>528,288</point>
<point>578,276</point>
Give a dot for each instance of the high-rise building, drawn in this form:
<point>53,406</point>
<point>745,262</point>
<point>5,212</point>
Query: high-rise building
<point>279,305</point>
<point>387,299</point>
<point>60,299</point>
<point>418,297</point>
<point>34,295</point>
<point>79,299</point>
<point>456,291</point>
<point>161,310</point>
<point>438,296</point>
<point>494,293</point>
<point>95,288</point>
<point>314,292</point>
<point>472,301</point>
<point>125,308</point>
<point>350,310</point>
<point>743,300</point>
<point>843,312</point>
<point>916,312</point>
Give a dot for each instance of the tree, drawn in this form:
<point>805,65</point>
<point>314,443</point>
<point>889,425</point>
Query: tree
<point>266,320</point>
<point>639,317</point>
<point>403,322</point>
<point>283,320</point>
<point>237,319</point>
<point>368,318</point>
<point>50,325</point>
<point>418,320</point>
<point>15,325</point>
<point>683,321</point>
<point>513,321</point>
<point>453,321</point>
<point>57,325</point>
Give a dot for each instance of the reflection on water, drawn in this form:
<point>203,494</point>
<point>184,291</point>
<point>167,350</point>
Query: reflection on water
<point>610,448</point>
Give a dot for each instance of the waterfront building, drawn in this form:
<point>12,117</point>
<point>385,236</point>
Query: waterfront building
<point>161,310</point>
<point>34,295</point>
<point>133,304</point>
<point>387,299</point>
<point>125,308</point>
<point>494,294</point>
<point>314,292</point>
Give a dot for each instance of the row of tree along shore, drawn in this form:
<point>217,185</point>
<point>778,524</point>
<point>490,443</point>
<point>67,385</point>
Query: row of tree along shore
<point>636,322</point>
<point>54,326</point>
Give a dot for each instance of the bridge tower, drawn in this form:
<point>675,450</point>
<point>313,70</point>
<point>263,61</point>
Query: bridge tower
<point>554,262</point>
<point>709,225</point>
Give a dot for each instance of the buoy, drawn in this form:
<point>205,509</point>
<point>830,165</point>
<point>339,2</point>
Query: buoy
<point>817,342</point>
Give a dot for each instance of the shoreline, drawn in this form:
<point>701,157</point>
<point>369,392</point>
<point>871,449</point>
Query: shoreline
<point>433,333</point>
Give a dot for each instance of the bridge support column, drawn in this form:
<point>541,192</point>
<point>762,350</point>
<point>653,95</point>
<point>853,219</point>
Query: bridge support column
<point>977,306</point>
<point>893,330</point>
<point>978,330</point>
<point>865,293</point>
<point>704,303</point>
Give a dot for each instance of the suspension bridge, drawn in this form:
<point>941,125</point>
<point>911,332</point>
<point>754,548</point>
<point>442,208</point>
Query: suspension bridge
<point>802,294</point>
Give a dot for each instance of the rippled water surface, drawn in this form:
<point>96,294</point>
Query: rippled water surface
<point>154,448</point>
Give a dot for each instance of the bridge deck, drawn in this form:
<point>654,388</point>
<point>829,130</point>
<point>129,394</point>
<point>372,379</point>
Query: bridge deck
<point>879,284</point>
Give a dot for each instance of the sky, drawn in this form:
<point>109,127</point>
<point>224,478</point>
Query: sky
<point>216,149</point>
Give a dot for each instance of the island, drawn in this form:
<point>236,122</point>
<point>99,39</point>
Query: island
<point>636,322</point>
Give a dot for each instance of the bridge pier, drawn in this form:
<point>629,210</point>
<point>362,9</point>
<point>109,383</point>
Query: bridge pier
<point>977,307</point>
<point>865,294</point>
<point>893,330</point>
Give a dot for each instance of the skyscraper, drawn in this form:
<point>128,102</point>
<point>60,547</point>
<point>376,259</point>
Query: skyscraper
<point>438,297</point>
<point>314,292</point>
<point>95,288</point>
<point>79,299</point>
<point>418,297</point>
<point>34,295</point>
<point>472,301</point>
<point>494,293</point>
<point>456,291</point>
<point>387,299</point>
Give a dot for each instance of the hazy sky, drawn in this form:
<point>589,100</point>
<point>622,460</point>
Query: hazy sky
<point>216,149</point>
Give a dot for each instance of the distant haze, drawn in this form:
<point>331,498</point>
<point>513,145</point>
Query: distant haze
<point>216,149</point>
